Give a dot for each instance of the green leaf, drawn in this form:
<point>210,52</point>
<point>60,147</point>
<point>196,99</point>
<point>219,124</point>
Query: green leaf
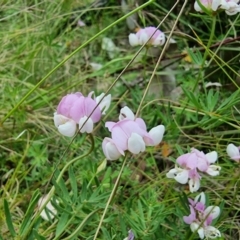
<point>28,216</point>
<point>61,187</point>
<point>73,182</point>
<point>61,224</point>
<point>191,96</point>
<point>9,219</point>
<point>195,56</point>
<point>37,236</point>
<point>212,100</point>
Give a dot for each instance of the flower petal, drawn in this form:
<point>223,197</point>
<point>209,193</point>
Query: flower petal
<point>196,227</point>
<point>213,211</point>
<point>233,151</point>
<point>213,170</point>
<point>194,184</point>
<point>136,144</point>
<point>110,149</point>
<point>192,217</point>
<point>105,103</point>
<point>212,157</point>
<point>133,39</point>
<point>87,127</point>
<point>212,232</point>
<point>182,176</point>
<point>200,198</point>
<point>126,113</point>
<point>67,127</point>
<point>157,134</point>
<point>159,40</point>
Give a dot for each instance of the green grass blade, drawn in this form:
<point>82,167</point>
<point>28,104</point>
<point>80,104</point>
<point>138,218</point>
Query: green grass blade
<point>9,219</point>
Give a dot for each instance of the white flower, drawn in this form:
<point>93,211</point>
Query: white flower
<point>150,35</point>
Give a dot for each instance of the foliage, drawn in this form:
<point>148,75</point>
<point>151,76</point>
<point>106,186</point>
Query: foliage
<point>40,64</point>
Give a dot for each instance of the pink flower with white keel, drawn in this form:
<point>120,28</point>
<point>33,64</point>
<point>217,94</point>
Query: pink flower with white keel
<point>74,109</point>
<point>150,35</point>
<point>130,134</point>
<point>231,7</point>
<point>201,217</point>
<point>190,164</point>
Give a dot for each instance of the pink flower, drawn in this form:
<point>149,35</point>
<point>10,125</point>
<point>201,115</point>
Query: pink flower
<point>74,109</point>
<point>231,7</point>
<point>201,217</point>
<point>233,152</point>
<point>190,164</point>
<point>143,35</point>
<point>130,134</point>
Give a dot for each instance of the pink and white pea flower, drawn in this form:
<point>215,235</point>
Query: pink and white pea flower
<point>74,109</point>
<point>190,164</point>
<point>233,152</point>
<point>130,134</point>
<point>127,135</point>
<point>143,35</point>
<point>201,217</point>
<point>156,133</point>
<point>209,4</point>
<point>231,7</point>
<point>183,176</point>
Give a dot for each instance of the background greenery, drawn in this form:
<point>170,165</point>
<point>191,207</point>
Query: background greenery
<point>35,37</point>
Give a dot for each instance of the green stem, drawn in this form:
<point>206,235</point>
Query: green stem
<point>207,49</point>
<point>72,54</point>
<point>210,39</point>
<point>110,197</point>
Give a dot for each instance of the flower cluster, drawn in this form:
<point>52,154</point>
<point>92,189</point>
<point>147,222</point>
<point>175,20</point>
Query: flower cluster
<point>231,7</point>
<point>129,134</point>
<point>150,35</point>
<point>74,109</point>
<point>190,164</point>
<point>201,217</point>
<point>233,152</point>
